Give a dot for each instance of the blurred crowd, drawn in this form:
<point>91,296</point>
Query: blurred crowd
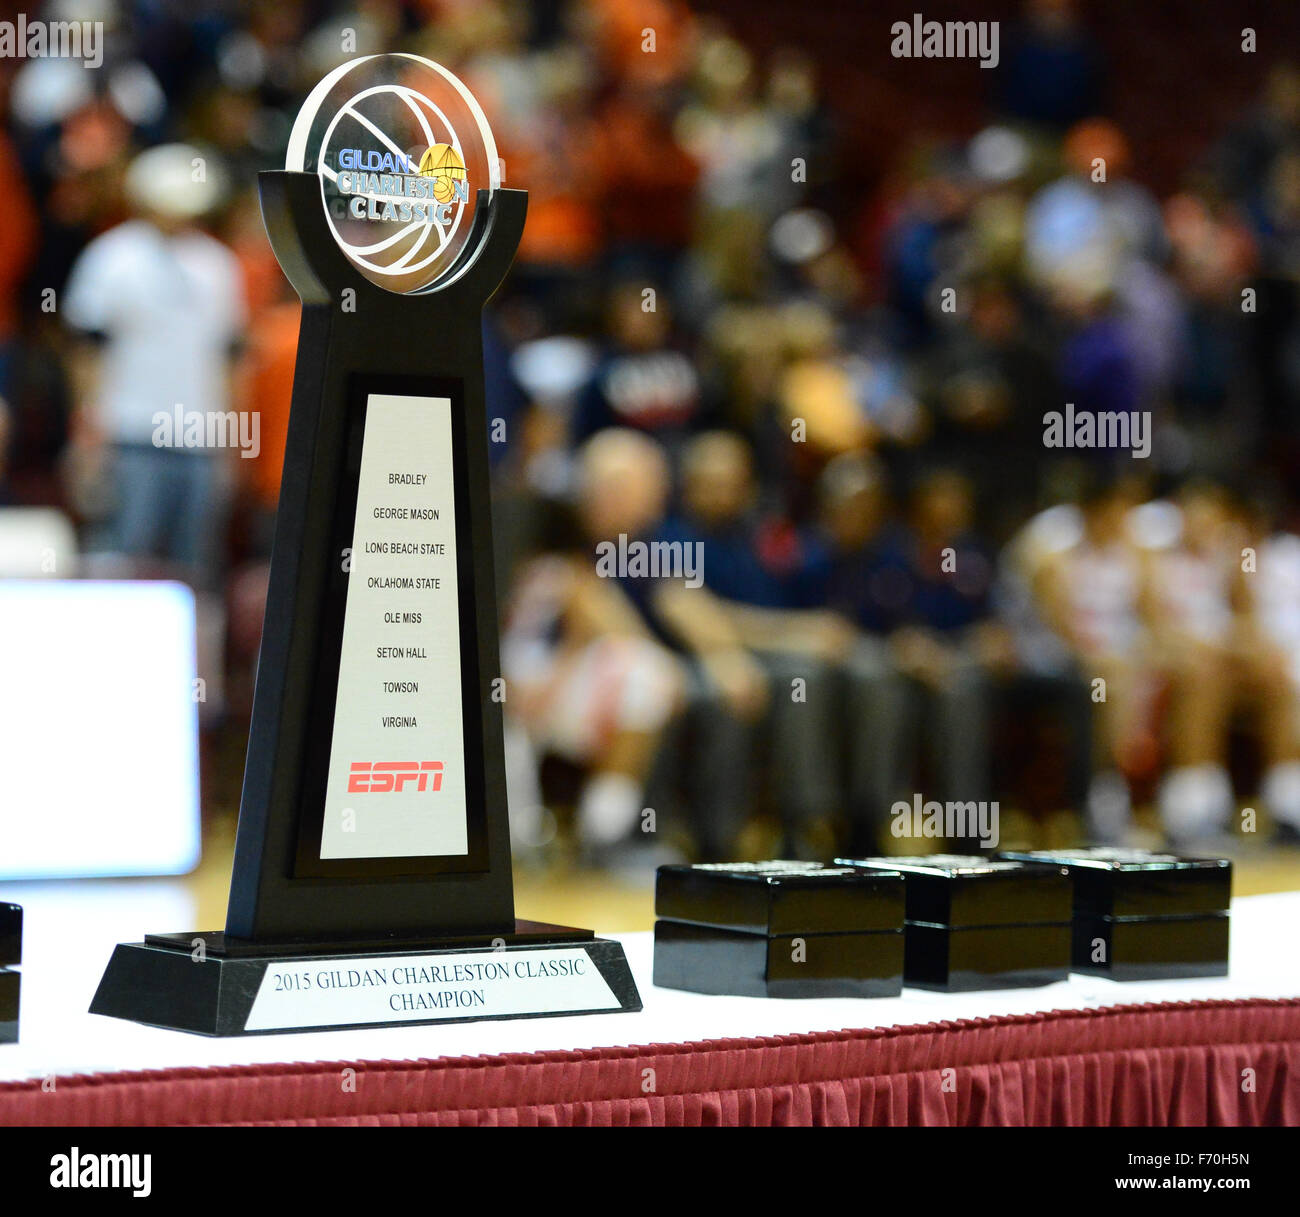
<point>838,401</point>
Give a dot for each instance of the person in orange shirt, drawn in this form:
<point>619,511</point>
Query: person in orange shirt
<point>622,29</point>
<point>267,383</point>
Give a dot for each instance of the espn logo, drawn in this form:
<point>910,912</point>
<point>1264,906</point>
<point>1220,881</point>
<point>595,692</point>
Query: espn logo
<point>383,777</point>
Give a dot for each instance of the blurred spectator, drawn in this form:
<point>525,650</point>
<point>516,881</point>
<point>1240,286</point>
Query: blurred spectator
<point>1089,592</point>
<point>752,556</point>
<point>160,305</point>
<point>266,388</point>
<point>1213,256</point>
<point>839,402</point>
<point>640,380</point>
<point>1189,591</point>
<point>769,578</point>
<point>589,679</point>
<point>563,235</point>
<point>867,585</point>
<point>985,382</point>
<point>1051,68</point>
<point>947,643</point>
<point>17,241</point>
<point>1270,653</point>
<point>1248,155</point>
<point>736,139</point>
<point>649,178</point>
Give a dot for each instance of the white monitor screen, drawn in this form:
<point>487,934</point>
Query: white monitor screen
<point>99,756</point>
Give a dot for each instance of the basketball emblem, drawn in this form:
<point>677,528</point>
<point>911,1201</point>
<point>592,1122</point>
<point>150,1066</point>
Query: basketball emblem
<point>442,163</point>
<point>397,142</point>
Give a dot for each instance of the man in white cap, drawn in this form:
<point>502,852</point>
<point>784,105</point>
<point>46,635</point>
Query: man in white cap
<point>161,305</point>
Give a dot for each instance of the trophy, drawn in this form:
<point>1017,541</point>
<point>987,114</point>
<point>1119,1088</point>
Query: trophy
<point>372,879</point>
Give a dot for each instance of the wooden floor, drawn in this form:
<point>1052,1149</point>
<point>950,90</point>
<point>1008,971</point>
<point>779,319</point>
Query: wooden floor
<point>568,895</point>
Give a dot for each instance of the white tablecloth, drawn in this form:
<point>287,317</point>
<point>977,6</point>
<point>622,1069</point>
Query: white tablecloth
<point>70,931</point>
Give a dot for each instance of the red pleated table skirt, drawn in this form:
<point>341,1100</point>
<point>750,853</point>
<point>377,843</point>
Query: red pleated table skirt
<point>1187,1063</point>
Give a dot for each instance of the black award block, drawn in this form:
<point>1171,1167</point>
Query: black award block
<point>1114,882</point>
<point>779,929</point>
<point>1151,948</point>
<point>372,880</point>
<point>11,956</point>
<point>978,923</point>
<point>11,935</point>
<point>11,981</point>
<point>780,897</point>
<point>1145,916</point>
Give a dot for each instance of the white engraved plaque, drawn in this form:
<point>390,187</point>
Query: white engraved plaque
<point>422,988</point>
<point>396,784</point>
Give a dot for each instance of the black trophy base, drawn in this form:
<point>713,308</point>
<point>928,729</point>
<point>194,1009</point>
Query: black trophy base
<point>969,958</point>
<point>1151,948</point>
<point>10,992</point>
<point>705,959</point>
<point>211,984</point>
